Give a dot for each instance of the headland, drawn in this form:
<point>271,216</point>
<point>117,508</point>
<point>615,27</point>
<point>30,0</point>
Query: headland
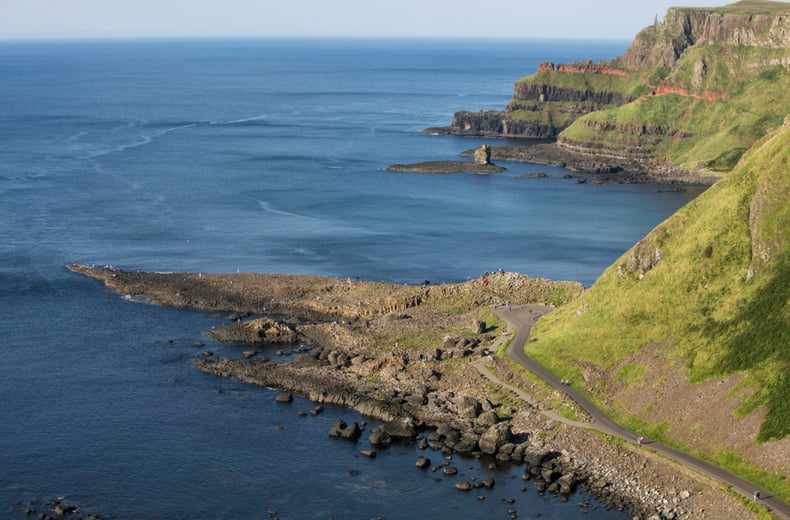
<point>411,357</point>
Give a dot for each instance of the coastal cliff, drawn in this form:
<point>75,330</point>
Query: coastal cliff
<point>691,93</point>
<point>691,326</point>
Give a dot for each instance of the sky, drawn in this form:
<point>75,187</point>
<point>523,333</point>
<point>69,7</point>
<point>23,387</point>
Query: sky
<point>581,19</point>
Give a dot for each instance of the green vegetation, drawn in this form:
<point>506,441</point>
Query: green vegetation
<point>705,297</point>
<point>747,7</point>
<point>711,287</point>
<point>717,97</point>
<point>626,85</point>
<point>691,132</point>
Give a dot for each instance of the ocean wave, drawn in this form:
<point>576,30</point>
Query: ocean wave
<point>304,225</point>
<point>266,206</point>
<point>242,121</point>
<point>140,140</point>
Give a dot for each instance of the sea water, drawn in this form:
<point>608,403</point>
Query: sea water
<point>267,156</point>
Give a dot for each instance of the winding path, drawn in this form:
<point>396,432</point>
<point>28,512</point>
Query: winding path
<point>521,318</point>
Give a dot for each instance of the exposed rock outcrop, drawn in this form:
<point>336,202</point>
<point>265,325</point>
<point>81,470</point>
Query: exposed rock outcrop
<point>261,330</point>
<point>696,55</point>
<point>483,155</point>
<point>448,167</point>
<point>663,44</point>
<point>525,91</point>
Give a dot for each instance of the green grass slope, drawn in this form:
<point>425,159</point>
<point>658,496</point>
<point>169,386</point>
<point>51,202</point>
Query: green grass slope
<point>692,132</point>
<point>702,303</point>
<point>694,91</point>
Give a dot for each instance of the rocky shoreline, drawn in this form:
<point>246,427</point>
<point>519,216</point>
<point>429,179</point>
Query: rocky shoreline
<point>55,509</point>
<point>401,354</point>
<point>482,164</point>
<point>603,169</point>
<point>436,167</point>
<point>609,170</point>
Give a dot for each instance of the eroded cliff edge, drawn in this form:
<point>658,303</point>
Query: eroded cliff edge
<point>684,102</point>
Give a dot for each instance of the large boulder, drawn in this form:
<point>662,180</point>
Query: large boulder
<point>423,463</point>
<point>495,437</point>
<point>487,419</point>
<point>402,428</point>
<point>284,397</point>
<point>378,437</point>
<point>346,431</point>
<point>567,483</point>
<point>257,331</point>
<point>467,444</point>
<point>468,407</point>
<point>535,457</point>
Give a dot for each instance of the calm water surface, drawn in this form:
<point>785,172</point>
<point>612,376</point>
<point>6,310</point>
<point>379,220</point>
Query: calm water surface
<point>264,156</point>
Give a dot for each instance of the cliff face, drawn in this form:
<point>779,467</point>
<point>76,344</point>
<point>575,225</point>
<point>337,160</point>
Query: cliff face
<point>694,91</point>
<point>663,44</point>
<point>548,93</point>
<point>542,106</point>
<point>497,123</point>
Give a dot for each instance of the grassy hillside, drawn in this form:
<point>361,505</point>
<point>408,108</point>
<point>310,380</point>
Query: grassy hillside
<point>750,7</point>
<point>704,297</point>
<point>692,132</point>
<point>695,91</point>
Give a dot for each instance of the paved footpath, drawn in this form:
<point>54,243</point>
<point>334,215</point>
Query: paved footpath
<point>520,319</point>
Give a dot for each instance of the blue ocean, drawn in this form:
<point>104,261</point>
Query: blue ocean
<point>265,156</point>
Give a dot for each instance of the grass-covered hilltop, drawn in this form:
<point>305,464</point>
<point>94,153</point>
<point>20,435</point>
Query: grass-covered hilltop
<point>693,93</point>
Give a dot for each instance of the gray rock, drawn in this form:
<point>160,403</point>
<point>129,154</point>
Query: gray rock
<point>535,457</point>
<point>284,397</point>
<point>417,400</point>
<point>346,431</point>
<point>487,419</point>
<point>480,327</point>
<point>352,432</point>
<point>337,428</point>
<point>379,437</point>
<point>468,407</point>
<point>567,483</point>
<point>495,437</point>
<point>548,475</point>
<point>463,486</point>
<point>466,445</point>
<point>400,428</point>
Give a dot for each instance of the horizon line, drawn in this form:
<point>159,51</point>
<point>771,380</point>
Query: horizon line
<point>72,38</point>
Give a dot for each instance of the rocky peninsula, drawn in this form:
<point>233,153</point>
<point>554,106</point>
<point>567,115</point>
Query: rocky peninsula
<point>446,167</point>
<point>482,164</point>
<point>414,357</point>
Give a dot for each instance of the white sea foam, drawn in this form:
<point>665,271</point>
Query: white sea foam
<point>261,117</point>
<point>308,225</point>
<point>139,141</point>
<point>266,206</point>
